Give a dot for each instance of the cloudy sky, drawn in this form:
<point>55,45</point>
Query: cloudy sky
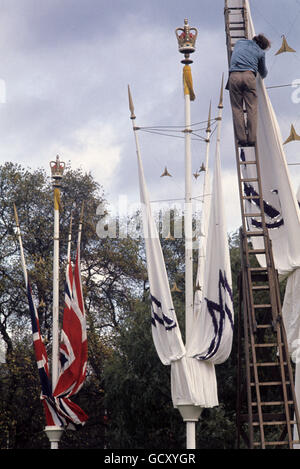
<point>65,67</point>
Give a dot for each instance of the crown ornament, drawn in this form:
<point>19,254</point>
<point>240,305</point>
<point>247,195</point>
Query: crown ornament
<point>186,38</point>
<point>57,170</point>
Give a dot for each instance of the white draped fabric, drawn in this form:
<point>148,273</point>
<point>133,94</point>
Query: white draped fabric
<point>291,316</point>
<point>198,297</point>
<point>192,382</point>
<point>281,207</point>
<point>213,325</point>
<point>165,328</point>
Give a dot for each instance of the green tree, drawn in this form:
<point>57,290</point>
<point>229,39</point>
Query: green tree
<point>111,274</point>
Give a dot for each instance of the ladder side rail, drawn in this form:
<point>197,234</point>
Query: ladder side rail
<point>257,385</point>
<point>246,246</point>
<point>249,342</point>
<point>247,359</point>
<point>267,243</point>
<point>246,343</point>
<point>239,361</point>
<point>284,388</point>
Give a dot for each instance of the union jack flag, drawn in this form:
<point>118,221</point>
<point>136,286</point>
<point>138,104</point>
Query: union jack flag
<point>59,409</point>
<point>73,348</point>
<point>52,415</point>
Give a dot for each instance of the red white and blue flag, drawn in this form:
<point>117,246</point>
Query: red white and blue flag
<point>59,409</point>
<point>73,349</point>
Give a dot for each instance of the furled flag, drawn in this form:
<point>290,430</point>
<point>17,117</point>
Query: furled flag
<point>59,412</point>
<point>73,348</point>
<point>52,417</point>
<point>213,325</point>
<point>165,330</point>
<point>280,203</point>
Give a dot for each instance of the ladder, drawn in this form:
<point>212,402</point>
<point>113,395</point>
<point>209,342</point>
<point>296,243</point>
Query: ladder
<point>265,376</point>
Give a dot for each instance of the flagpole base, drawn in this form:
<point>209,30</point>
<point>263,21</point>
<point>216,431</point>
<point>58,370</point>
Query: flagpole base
<point>190,415</point>
<point>54,434</point>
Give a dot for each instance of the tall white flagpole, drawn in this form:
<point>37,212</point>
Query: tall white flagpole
<point>57,169</point>
<point>188,220</point>
<point>186,37</point>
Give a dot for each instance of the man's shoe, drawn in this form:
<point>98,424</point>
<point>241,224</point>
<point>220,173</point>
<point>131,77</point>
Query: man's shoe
<point>241,143</point>
<point>251,144</point>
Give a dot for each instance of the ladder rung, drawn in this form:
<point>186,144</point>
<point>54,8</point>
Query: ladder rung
<point>249,180</point>
<point>268,364</point>
<point>270,344</point>
<point>261,287</point>
<point>252,215</point>
<point>251,197</point>
<point>254,233</point>
<point>262,306</point>
<point>272,403</point>
<point>264,326</point>
<point>258,269</point>
<point>270,383</point>
<point>247,162</point>
<point>257,251</point>
<point>278,422</point>
<point>276,443</point>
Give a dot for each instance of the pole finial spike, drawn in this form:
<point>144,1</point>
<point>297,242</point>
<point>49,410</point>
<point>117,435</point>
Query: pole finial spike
<point>16,215</point>
<point>131,107</point>
<point>209,119</point>
<point>221,93</point>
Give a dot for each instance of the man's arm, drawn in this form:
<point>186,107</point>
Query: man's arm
<point>263,71</point>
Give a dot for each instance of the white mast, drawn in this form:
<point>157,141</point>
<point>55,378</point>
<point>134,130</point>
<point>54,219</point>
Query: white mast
<point>186,41</point>
<point>188,220</point>
<point>57,169</point>
<point>186,37</point>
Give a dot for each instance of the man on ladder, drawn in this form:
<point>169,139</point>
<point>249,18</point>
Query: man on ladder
<point>248,59</point>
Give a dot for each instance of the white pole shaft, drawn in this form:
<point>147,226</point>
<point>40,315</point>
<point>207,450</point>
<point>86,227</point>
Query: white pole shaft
<point>219,128</point>
<point>23,262</point>
<point>55,326</point>
<point>188,220</point>
<point>190,435</point>
<point>69,241</point>
<point>202,251</point>
<point>206,165</point>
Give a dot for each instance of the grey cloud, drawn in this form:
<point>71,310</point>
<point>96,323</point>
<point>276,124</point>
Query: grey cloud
<point>67,64</point>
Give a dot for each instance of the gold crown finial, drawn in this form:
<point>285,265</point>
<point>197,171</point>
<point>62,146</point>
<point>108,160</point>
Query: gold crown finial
<point>57,170</point>
<point>186,38</point>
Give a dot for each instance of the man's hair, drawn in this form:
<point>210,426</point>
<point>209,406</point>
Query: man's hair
<point>262,41</point>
